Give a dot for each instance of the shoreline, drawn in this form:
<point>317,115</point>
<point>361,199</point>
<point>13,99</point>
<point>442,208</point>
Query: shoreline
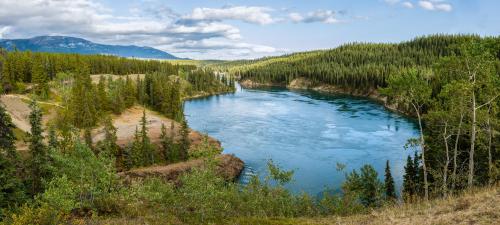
<point>305,84</point>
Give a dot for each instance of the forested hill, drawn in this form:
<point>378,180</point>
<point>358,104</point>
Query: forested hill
<point>356,65</point>
<point>62,44</point>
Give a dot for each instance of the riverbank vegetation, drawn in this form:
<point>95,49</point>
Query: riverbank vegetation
<point>449,83</point>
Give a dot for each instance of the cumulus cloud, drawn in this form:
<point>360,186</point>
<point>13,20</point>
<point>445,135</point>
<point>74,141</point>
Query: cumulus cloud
<point>152,24</point>
<point>408,5</point>
<point>435,5</point>
<point>323,16</point>
<point>252,14</point>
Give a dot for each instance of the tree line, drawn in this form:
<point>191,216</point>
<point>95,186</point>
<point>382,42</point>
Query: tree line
<point>19,67</point>
<point>449,83</point>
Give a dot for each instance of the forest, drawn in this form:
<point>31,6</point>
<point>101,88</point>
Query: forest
<point>450,84</point>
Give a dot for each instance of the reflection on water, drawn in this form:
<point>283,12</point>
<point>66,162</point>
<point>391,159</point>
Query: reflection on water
<point>304,131</point>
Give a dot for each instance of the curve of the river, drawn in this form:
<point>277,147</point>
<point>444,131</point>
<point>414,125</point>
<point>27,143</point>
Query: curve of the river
<point>306,132</point>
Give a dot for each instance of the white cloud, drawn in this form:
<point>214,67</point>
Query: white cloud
<point>435,5</point>
<point>257,15</point>
<point>151,25</point>
<point>323,16</point>
<point>3,31</point>
<point>408,5</point>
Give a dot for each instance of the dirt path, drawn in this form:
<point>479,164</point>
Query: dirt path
<point>19,110</point>
<point>127,122</point>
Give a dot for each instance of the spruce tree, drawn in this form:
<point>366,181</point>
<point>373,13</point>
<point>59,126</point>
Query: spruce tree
<point>38,150</point>
<point>7,137</point>
<point>409,179</point>
<point>102,95</point>
<point>166,144</point>
<point>11,189</point>
<point>40,77</point>
<point>184,142</point>
<point>82,105</point>
<point>390,190</point>
<point>146,146</point>
<point>418,180</point>
<point>371,186</point>
<point>52,136</point>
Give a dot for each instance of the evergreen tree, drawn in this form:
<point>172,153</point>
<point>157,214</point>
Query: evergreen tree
<point>166,145</point>
<point>146,147</point>
<point>52,136</point>
<point>7,137</point>
<point>38,150</point>
<point>102,95</point>
<point>371,186</point>
<point>409,179</point>
<point>390,189</point>
<point>82,105</point>
<point>184,141</point>
<point>40,77</point>
<point>129,93</point>
<point>419,174</point>
<point>11,189</point>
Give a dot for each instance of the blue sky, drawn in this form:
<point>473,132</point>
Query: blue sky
<point>223,29</point>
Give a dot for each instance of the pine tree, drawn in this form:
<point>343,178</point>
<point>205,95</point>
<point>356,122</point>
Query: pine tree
<point>184,142</point>
<point>129,93</point>
<point>40,77</point>
<point>38,150</point>
<point>11,189</point>
<point>52,136</point>
<point>7,137</point>
<point>390,190</point>
<point>102,95</point>
<point>166,144</point>
<point>82,105</point>
<point>408,179</point>
<point>371,186</point>
<point>147,153</point>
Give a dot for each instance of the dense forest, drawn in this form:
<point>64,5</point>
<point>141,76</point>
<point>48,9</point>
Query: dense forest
<point>450,83</point>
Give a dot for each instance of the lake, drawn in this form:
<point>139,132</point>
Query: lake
<point>304,131</point>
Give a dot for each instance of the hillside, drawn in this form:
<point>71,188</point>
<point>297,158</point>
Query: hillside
<point>480,206</point>
<point>361,66</point>
<point>63,44</point>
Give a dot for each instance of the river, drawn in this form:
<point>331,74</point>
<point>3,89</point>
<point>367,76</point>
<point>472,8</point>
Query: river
<point>304,131</point>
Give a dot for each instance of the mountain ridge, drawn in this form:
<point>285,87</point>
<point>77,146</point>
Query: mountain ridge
<point>67,44</point>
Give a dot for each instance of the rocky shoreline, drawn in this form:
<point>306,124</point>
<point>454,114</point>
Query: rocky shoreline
<point>305,84</point>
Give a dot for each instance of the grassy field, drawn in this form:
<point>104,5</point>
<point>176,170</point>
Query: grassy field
<point>480,206</point>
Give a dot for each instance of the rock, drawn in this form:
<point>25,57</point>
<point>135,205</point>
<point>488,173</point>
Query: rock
<point>300,83</point>
<point>228,166</point>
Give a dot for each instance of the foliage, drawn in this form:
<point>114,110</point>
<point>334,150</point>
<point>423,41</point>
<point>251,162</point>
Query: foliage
<point>390,189</point>
<point>39,162</point>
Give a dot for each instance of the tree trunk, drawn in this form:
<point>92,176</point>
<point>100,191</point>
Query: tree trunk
<point>490,160</point>
<point>447,163</point>
<point>470,179</point>
<point>422,147</point>
<point>455,152</point>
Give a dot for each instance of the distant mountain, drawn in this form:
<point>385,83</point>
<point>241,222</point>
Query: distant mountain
<point>64,44</point>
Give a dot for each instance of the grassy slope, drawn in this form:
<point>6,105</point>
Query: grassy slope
<point>474,207</point>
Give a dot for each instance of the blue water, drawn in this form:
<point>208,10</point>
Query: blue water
<point>306,132</point>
